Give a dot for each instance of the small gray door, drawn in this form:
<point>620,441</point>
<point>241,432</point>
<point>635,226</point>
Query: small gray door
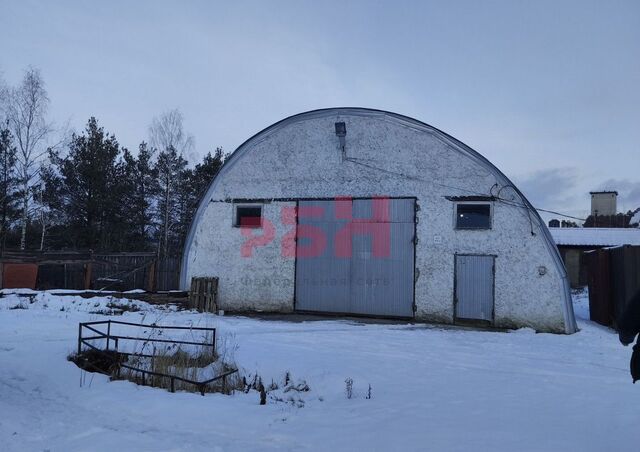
<point>474,287</point>
<point>359,282</point>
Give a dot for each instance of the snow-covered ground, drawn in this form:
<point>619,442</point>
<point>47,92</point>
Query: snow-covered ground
<point>433,388</point>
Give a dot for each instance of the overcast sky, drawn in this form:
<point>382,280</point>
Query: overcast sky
<point>548,91</point>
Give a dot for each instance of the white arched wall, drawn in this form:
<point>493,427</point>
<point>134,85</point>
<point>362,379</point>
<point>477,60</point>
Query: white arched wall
<point>390,155</point>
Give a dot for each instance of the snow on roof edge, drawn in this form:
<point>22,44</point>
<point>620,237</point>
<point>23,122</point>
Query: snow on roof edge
<point>596,236</point>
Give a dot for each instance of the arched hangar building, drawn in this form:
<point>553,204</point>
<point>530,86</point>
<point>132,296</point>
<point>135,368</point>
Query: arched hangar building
<point>367,212</point>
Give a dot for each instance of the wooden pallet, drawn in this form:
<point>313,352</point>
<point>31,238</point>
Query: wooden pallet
<point>202,295</point>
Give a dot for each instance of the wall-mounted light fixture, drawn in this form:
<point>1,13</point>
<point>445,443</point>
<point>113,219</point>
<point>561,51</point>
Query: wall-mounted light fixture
<point>341,133</point>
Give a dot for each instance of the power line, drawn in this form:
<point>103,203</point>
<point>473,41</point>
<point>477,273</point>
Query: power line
<point>560,214</point>
<point>497,198</point>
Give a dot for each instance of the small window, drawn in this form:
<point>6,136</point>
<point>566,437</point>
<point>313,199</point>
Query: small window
<point>473,216</point>
<point>248,217</point>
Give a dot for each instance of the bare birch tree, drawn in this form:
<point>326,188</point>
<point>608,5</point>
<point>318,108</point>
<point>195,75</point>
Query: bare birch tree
<point>43,214</point>
<point>26,110</point>
<point>4,98</point>
<point>167,131</point>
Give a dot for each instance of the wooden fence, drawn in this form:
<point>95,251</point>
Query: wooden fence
<point>614,278</point>
<point>108,271</point>
<point>167,274</point>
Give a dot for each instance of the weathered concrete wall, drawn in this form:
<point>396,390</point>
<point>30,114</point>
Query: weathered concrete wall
<point>261,281</point>
<point>572,261</point>
<point>384,157</point>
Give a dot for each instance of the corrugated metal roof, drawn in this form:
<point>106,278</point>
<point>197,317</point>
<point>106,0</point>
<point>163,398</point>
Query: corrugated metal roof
<point>596,236</point>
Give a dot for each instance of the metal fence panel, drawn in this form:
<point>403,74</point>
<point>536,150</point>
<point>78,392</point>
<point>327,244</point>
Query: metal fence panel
<point>15,275</point>
<point>601,308</point>
<point>625,276</point>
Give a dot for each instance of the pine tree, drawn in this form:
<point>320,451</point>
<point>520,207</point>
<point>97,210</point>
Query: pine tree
<point>184,209</point>
<point>89,189</point>
<point>141,178</point>
<point>204,172</point>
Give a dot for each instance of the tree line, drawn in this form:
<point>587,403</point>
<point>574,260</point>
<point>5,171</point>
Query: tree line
<point>86,191</point>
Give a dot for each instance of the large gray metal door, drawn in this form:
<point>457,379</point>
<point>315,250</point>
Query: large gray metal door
<point>360,281</point>
<point>474,287</point>
<point>322,281</point>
